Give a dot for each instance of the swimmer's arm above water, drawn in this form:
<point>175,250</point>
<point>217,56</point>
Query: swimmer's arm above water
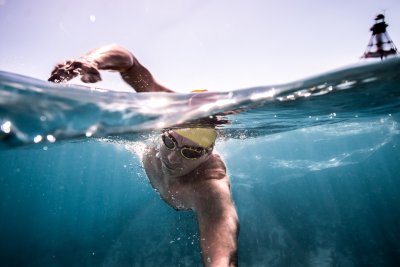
<point>110,57</point>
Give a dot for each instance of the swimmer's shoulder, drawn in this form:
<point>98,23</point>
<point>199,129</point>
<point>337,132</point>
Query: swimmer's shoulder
<point>150,157</point>
<point>214,167</point>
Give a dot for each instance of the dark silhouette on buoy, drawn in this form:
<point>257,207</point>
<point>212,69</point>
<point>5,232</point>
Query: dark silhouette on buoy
<point>380,45</point>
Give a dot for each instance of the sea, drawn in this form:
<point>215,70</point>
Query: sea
<point>314,167</point>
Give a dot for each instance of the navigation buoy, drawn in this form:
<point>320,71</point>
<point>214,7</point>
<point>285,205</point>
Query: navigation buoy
<point>380,45</point>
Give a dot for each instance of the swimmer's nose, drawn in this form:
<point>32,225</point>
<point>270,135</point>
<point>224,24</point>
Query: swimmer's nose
<point>174,157</point>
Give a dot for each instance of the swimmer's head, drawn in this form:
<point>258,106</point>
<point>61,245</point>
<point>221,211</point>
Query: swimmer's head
<point>205,137</point>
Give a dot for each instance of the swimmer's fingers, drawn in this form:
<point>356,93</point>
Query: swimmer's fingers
<point>70,69</point>
<point>63,72</point>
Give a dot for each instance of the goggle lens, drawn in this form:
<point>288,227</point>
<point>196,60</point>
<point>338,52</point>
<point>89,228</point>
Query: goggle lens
<point>191,153</point>
<point>169,142</point>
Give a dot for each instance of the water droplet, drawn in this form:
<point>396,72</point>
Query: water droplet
<point>51,138</point>
<point>37,139</point>
<point>6,127</point>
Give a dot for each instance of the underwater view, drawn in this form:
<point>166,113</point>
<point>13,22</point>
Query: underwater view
<point>314,168</point>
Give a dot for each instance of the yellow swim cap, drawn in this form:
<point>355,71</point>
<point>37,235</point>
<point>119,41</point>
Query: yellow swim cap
<point>205,137</point>
<point>199,90</point>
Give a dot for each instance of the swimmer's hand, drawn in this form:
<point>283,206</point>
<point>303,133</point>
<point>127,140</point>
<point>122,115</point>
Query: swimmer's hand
<point>111,57</point>
<point>71,68</point>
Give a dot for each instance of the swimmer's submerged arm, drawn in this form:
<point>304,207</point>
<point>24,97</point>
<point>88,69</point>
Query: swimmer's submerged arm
<point>218,224</point>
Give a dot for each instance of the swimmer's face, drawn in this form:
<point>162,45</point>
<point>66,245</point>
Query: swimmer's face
<point>173,163</point>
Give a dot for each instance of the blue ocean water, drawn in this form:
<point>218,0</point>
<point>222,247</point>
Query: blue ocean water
<point>314,167</point>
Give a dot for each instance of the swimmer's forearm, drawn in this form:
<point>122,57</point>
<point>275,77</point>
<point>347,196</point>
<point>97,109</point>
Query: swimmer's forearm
<point>141,79</point>
<point>218,237</point>
<point>117,58</point>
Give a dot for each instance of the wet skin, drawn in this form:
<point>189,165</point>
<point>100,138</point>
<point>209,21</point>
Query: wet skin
<point>176,177</point>
<point>201,185</point>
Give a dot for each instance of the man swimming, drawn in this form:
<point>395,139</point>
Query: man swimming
<point>185,169</point>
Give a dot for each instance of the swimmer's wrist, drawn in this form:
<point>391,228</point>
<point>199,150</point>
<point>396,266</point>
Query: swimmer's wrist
<point>131,65</point>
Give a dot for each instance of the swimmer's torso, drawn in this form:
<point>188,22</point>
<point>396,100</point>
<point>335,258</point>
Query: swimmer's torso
<point>171,189</point>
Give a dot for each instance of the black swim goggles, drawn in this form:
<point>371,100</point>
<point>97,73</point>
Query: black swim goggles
<point>187,152</point>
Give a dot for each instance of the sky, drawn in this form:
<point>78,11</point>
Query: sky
<point>190,44</point>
